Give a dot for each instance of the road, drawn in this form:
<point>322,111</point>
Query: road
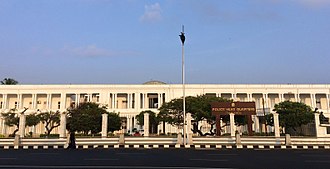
<point>164,158</point>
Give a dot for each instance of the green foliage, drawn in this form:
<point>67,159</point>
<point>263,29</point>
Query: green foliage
<point>152,117</point>
<point>114,122</point>
<point>153,120</point>
<point>32,120</point>
<point>12,119</point>
<point>51,120</point>
<point>9,81</point>
<point>292,115</point>
<point>199,107</point>
<point>269,118</point>
<point>87,117</point>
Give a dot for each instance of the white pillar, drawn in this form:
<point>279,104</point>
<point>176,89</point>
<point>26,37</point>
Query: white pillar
<point>137,101</point>
<point>135,122</point>
<point>276,125</point>
<point>189,126</point>
<point>256,124</point>
<point>129,124</point>
<point>2,126</point>
<point>63,125</point>
<point>159,98</point>
<point>233,96</point>
<point>77,100</point>
<point>232,124</point>
<point>20,101</point>
<point>189,132</point>
<point>108,100</point>
<point>90,97</point>
<point>4,106</point>
<point>313,101</point>
<point>112,101</point>
<point>317,124</point>
<point>297,97</point>
<point>21,128</point>
<point>281,97</point>
<point>328,103</point>
<point>63,102</point>
<point>266,100</point>
<point>104,132</point>
<point>115,101</point>
<point>48,102</point>
<point>128,101</point>
<point>146,124</point>
<point>249,96</point>
<point>145,100</point>
<point>34,101</point>
<point>223,128</point>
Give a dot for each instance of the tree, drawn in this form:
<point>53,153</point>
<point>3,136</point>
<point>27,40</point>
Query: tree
<point>9,81</point>
<point>292,115</point>
<point>86,118</point>
<point>198,106</point>
<point>32,120</point>
<point>51,120</point>
<point>114,122</point>
<point>12,119</point>
<point>153,120</point>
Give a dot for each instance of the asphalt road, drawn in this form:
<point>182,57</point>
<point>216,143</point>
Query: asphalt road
<point>164,158</point>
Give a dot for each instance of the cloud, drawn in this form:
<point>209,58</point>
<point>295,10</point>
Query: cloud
<point>87,51</point>
<point>152,13</point>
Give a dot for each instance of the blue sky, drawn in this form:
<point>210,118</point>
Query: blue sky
<point>134,41</point>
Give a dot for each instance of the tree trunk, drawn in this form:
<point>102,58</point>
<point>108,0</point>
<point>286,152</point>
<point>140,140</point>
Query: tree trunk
<point>15,131</point>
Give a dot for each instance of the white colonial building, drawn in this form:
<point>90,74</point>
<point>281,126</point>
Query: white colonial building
<point>130,100</point>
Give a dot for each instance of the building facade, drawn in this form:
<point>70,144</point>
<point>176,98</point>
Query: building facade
<point>130,100</point>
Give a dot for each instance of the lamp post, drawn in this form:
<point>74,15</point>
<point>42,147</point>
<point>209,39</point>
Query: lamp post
<point>183,38</point>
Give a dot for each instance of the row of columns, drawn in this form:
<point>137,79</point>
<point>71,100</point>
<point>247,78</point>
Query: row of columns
<point>22,122</point>
<point>144,100</point>
<point>62,131</point>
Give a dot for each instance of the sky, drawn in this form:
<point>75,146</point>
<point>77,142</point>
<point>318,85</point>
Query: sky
<point>134,41</point>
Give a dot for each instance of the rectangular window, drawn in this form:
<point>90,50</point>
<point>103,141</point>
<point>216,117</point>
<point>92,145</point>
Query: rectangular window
<point>0,105</point>
<point>16,105</point>
<point>58,105</point>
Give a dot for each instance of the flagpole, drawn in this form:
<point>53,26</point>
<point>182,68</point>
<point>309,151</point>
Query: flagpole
<point>182,37</point>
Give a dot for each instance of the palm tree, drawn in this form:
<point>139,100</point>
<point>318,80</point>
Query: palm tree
<point>9,81</point>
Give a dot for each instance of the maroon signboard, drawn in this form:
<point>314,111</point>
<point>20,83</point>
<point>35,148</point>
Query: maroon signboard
<point>237,108</point>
